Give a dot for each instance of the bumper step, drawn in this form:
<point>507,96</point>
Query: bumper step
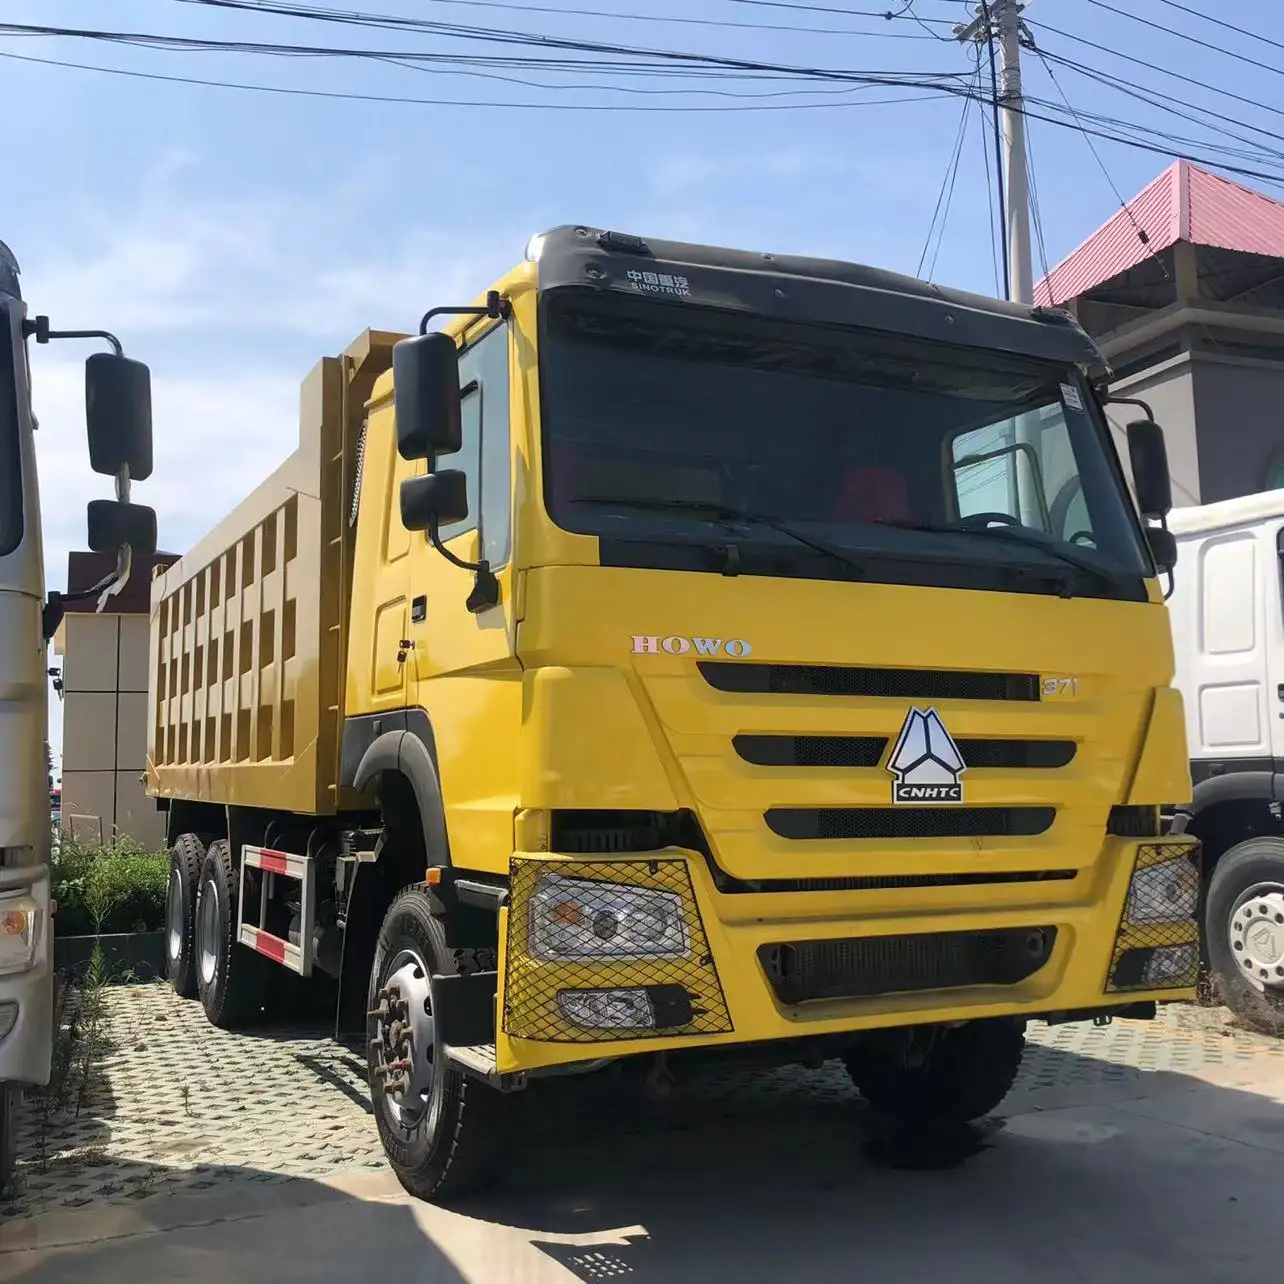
<point>478,1062</point>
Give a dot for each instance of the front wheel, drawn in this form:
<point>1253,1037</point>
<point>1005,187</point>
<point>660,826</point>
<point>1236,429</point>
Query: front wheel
<point>938,1074</point>
<point>440,1130</point>
<point>1244,930</point>
<point>185,860</point>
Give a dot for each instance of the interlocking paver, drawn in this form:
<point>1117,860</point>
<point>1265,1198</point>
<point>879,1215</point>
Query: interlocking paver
<point>179,1105</point>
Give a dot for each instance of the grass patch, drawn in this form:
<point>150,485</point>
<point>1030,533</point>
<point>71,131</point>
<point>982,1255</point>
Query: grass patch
<point>120,888</point>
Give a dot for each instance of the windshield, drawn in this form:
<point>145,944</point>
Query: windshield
<point>11,526</point>
<point>928,463</point>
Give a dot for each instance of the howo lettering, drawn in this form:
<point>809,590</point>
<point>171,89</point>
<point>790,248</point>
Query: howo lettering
<point>774,666</point>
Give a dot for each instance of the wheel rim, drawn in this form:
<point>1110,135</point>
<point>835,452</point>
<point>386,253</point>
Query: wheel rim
<point>405,1041</point>
<point>208,933</point>
<point>174,916</point>
<point>1257,936</point>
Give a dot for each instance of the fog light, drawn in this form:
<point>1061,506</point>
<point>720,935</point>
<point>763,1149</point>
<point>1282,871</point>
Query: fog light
<point>8,1017</point>
<point>19,932</point>
<point>607,1009</point>
<point>1171,965</point>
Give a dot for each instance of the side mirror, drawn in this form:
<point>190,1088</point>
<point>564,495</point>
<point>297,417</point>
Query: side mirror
<point>438,499</point>
<point>112,524</point>
<point>425,386</point>
<point>118,415</point>
<point>1149,458</point>
<point>1163,548</point>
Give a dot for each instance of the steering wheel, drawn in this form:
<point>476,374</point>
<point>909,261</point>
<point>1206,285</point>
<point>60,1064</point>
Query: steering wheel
<point>1086,538</point>
<point>981,520</point>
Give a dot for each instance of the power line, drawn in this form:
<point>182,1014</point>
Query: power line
<point>1163,71</point>
<point>947,182</point>
<point>403,100</point>
<point>723,23</point>
<point>846,13</point>
<point>989,193</point>
<point>1185,35</point>
<point>998,149</point>
<point>1219,22</point>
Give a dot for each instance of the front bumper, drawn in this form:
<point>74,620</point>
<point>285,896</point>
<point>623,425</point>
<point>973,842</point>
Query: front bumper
<point>1091,957</point>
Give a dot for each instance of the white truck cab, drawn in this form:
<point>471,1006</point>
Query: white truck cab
<point>1227,612</point>
<point>118,413</point>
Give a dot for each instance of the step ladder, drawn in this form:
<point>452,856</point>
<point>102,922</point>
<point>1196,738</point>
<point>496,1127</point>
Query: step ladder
<point>272,865</point>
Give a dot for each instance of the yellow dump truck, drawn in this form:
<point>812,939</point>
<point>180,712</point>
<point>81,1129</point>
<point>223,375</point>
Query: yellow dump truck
<point>682,652</point>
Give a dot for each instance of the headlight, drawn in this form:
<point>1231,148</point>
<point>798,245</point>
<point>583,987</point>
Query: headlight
<point>19,932</point>
<point>577,918</point>
<point>1164,893</point>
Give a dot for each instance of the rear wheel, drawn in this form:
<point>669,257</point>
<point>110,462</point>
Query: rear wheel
<point>1244,930</point>
<point>440,1130</point>
<point>939,1074</point>
<point>230,977</point>
<point>185,859</point>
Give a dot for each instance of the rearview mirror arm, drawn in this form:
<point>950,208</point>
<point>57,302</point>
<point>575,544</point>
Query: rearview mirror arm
<point>496,306</point>
<point>39,329</point>
<point>485,591</point>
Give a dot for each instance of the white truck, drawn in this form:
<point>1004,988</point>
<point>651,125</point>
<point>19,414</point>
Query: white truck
<point>1228,634</point>
<point>118,415</point>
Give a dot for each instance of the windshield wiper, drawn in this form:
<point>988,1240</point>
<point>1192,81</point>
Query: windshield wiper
<point>1017,535</point>
<point>725,513</point>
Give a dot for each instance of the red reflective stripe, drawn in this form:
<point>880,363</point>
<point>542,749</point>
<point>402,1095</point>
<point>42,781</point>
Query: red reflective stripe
<point>273,862</point>
<point>272,946</point>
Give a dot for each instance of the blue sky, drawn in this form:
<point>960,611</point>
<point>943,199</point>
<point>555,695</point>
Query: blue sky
<point>232,238</point>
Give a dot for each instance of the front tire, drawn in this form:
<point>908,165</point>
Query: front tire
<point>440,1130</point>
<point>1244,930</point>
<point>185,860</point>
<point>938,1075</point>
<point>10,1094</point>
<point>230,977</point>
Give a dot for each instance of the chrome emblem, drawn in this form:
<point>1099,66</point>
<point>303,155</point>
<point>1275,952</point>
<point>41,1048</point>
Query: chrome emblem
<point>925,763</point>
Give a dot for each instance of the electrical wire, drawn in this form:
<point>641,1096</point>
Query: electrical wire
<point>947,184</point>
<point>1185,35</point>
<point>989,194</point>
<point>846,13</point>
<point>998,149</point>
<point>1037,212</point>
<point>1220,22</point>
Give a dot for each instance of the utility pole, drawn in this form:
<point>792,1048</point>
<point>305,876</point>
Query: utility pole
<point>1001,20</point>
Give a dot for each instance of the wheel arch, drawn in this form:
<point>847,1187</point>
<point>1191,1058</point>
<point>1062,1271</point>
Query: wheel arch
<point>1227,809</point>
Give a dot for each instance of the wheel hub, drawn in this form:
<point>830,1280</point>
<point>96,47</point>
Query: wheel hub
<point>1257,938</point>
<point>207,934</point>
<point>404,1039</point>
<point>174,923</point>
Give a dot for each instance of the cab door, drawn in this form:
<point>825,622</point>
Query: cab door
<point>465,673</point>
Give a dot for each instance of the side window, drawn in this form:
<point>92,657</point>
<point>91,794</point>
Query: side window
<point>484,459</point>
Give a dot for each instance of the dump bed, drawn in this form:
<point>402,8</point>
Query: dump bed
<point>249,629</point>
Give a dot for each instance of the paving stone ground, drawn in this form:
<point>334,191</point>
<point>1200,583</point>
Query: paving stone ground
<point>179,1105</point>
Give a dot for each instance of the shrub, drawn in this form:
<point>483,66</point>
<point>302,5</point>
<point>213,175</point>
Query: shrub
<point>120,888</point>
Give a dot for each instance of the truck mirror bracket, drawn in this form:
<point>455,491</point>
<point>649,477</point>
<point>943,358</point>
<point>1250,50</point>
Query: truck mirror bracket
<point>485,590</point>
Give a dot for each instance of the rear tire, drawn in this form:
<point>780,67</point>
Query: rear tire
<point>185,860</point>
<point>230,977</point>
<point>1248,876</point>
<point>960,1074</point>
<point>442,1131</point>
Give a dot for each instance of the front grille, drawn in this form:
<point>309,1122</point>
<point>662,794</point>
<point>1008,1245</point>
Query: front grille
<point>867,751</point>
<point>806,970</point>
<point>843,680</point>
<point>909,822</point>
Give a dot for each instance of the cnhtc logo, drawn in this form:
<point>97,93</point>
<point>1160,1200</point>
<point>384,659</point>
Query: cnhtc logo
<point>926,762</point>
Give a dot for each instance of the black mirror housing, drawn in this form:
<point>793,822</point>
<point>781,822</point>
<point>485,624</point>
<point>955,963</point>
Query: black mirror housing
<point>1149,459</point>
<point>112,524</point>
<point>425,386</point>
<point>1163,548</point>
<point>118,415</point>
<point>437,499</point>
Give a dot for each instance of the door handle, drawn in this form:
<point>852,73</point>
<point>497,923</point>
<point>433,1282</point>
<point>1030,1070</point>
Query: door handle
<point>419,613</point>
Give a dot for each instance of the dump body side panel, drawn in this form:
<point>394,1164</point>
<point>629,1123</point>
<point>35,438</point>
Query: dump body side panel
<point>249,628</point>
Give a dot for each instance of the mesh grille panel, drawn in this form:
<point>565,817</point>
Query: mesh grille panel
<point>532,984</point>
<point>868,966</point>
<point>867,751</point>
<point>1151,923</point>
<point>909,822</point>
<point>836,680</point>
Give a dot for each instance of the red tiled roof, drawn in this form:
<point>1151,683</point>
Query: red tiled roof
<point>1185,203</point>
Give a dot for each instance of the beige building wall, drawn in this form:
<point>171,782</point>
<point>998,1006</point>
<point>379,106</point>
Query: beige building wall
<point>104,728</point>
